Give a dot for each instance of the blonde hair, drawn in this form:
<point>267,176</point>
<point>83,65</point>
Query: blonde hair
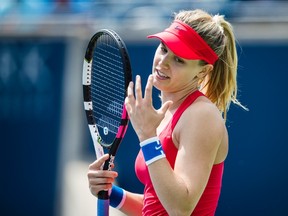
<point>220,85</point>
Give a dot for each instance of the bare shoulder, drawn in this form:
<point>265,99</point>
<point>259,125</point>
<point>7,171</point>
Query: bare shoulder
<point>203,112</point>
<point>201,120</point>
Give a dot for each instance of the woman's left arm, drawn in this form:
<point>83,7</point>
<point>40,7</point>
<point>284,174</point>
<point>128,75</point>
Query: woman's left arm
<point>198,135</point>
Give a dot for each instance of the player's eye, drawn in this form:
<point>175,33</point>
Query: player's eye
<point>163,48</point>
<point>179,60</point>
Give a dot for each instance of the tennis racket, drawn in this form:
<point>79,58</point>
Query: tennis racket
<point>106,75</point>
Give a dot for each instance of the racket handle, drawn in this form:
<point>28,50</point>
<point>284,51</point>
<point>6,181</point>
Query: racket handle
<point>103,203</point>
<point>109,162</point>
<point>103,196</point>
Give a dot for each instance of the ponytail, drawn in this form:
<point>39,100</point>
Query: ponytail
<point>220,85</point>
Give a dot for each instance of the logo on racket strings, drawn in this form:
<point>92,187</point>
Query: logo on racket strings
<point>115,108</point>
<point>105,130</point>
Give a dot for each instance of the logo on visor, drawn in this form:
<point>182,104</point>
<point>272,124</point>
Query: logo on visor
<point>178,28</point>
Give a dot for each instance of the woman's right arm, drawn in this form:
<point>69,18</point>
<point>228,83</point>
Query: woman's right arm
<point>103,180</point>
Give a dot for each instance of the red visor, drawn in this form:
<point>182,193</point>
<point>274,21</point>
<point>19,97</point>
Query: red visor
<point>186,43</point>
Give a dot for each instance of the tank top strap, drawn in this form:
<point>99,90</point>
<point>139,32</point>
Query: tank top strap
<point>185,104</point>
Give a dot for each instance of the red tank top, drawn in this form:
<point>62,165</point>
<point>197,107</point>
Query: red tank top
<point>209,199</point>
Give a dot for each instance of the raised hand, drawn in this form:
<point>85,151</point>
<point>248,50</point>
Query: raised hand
<point>144,117</point>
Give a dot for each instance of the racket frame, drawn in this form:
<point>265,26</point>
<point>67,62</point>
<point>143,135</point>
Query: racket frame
<point>99,145</point>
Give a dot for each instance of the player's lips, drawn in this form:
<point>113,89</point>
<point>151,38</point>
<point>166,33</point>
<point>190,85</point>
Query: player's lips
<point>161,75</point>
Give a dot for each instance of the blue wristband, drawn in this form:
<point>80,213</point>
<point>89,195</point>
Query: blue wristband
<point>117,197</point>
<point>152,150</point>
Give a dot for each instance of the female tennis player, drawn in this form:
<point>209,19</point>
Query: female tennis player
<point>183,145</point>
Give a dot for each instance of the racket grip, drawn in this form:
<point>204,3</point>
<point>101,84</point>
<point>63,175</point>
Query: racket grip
<point>103,203</point>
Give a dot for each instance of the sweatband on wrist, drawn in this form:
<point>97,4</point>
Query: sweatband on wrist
<point>152,150</point>
<point>117,197</point>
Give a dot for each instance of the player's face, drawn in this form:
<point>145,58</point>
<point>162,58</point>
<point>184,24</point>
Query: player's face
<point>172,73</point>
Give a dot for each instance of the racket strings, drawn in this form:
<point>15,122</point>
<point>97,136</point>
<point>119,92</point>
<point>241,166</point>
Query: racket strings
<point>103,69</point>
<point>107,91</point>
<point>107,87</point>
<point>112,60</point>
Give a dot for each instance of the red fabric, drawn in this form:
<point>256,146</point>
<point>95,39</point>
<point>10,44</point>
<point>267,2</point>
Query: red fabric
<point>209,199</point>
<point>186,43</point>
